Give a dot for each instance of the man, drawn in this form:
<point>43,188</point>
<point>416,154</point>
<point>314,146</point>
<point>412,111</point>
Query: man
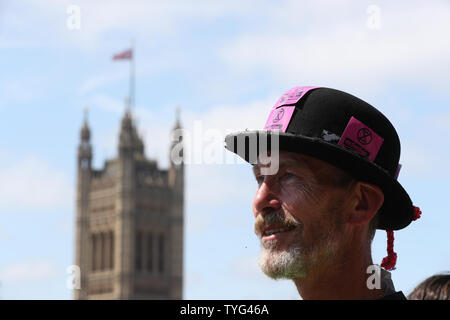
<point>336,163</point>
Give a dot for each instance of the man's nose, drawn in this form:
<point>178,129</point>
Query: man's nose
<point>265,200</point>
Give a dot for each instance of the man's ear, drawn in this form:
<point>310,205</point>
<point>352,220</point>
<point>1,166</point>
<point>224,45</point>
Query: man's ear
<point>367,199</point>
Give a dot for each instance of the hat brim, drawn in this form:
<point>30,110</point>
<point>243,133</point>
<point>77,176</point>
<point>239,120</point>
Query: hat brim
<point>396,212</point>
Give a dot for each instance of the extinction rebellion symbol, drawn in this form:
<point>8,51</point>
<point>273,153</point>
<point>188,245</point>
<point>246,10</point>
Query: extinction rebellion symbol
<point>364,136</point>
<point>279,115</point>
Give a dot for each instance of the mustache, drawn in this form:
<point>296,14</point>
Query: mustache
<point>275,217</point>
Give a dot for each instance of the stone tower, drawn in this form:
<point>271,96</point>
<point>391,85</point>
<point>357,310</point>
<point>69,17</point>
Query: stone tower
<point>129,221</point>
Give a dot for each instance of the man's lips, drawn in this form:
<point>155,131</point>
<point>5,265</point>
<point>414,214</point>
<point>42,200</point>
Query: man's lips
<point>272,232</point>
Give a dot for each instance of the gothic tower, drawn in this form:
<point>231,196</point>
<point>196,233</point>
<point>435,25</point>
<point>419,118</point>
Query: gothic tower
<point>129,223</point>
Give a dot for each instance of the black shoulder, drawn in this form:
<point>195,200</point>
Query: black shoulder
<point>394,296</point>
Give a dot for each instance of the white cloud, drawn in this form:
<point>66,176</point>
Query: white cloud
<point>417,161</point>
<point>250,114</point>
<point>422,152</point>
<point>21,90</point>
<point>310,44</point>
<point>107,103</point>
<point>33,184</point>
<point>139,18</point>
<point>28,271</point>
<point>95,82</point>
<point>216,185</point>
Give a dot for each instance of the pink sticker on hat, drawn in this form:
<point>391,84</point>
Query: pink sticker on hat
<point>361,139</point>
<point>292,96</point>
<point>282,111</point>
<point>279,119</point>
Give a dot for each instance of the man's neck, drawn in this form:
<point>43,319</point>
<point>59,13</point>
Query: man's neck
<point>345,279</point>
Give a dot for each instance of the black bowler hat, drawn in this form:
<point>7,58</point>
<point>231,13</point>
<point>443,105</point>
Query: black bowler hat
<point>344,131</point>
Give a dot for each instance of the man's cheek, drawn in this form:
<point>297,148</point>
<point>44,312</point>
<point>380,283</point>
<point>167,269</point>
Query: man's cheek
<point>293,197</point>
<point>298,204</point>
<point>301,192</point>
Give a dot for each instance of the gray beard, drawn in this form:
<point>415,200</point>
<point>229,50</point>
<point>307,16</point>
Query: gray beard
<point>296,262</point>
<point>286,264</point>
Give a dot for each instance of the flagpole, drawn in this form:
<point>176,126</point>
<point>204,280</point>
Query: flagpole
<point>132,67</point>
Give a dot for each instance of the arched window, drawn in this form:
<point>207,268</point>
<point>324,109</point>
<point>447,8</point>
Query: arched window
<point>97,251</point>
<point>138,251</point>
<point>111,256</point>
<point>102,251</point>
<point>93,252</point>
<point>161,253</point>
<point>150,252</point>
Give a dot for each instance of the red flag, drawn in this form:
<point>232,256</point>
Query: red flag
<point>128,54</point>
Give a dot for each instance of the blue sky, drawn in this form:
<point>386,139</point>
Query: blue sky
<point>225,64</point>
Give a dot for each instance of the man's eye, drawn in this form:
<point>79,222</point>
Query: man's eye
<point>288,176</point>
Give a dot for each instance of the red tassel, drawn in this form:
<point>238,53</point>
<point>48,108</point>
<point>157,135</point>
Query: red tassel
<point>390,260</point>
<point>417,213</point>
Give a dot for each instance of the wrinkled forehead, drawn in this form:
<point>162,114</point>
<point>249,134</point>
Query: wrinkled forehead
<point>291,160</point>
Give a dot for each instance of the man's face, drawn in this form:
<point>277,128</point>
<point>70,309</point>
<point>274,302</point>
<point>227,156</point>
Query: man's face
<point>299,216</point>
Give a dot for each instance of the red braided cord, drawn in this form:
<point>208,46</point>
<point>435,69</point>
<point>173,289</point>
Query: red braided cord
<point>390,260</point>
